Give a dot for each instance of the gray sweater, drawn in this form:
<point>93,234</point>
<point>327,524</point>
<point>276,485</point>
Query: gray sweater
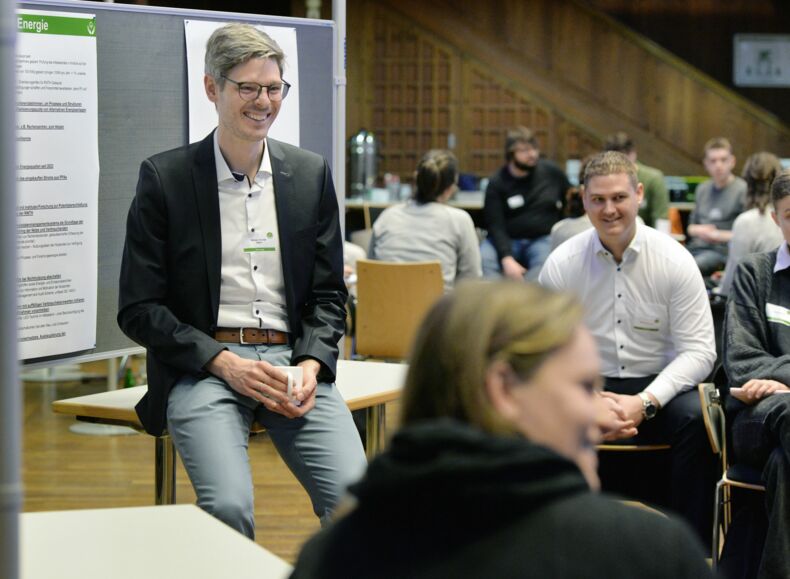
<point>752,232</point>
<point>432,231</point>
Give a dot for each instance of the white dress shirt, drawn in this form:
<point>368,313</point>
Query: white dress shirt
<point>782,258</point>
<point>252,292</point>
<point>649,314</point>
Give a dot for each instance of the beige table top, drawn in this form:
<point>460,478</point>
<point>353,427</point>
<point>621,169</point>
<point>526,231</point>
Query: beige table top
<point>362,384</point>
<point>164,542</point>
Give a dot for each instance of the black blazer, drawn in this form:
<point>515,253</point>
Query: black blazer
<point>170,271</point>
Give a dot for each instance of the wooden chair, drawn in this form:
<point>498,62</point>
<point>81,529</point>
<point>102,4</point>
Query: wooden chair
<point>735,475</point>
<point>392,299</point>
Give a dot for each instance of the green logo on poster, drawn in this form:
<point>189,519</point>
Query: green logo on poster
<point>91,27</point>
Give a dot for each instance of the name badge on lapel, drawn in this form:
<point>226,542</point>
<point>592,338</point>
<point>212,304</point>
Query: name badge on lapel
<point>515,201</point>
<point>777,314</point>
<point>259,242</point>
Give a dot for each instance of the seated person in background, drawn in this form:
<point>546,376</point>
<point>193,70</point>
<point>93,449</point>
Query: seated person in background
<point>754,230</point>
<point>718,202</point>
<point>523,200</point>
<point>575,222</point>
<point>492,473</point>
<point>351,254</point>
<point>426,228</point>
<point>655,204</point>
<point>757,362</point>
<point>646,305</point>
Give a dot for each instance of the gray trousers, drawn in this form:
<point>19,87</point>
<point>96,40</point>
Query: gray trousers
<point>209,423</point>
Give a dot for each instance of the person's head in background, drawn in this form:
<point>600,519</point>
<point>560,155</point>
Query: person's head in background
<point>510,359</point>
<point>759,172</point>
<point>622,143</point>
<point>612,195</point>
<point>521,150</point>
<point>574,197</point>
<point>436,177</point>
<point>719,161</point>
<point>780,197</point>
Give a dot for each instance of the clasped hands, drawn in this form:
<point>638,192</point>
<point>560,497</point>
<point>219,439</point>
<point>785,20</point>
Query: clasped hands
<point>618,415</point>
<point>266,384</point>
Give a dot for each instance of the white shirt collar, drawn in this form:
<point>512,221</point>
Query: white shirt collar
<point>223,171</point>
<point>635,245</point>
<point>782,258</point>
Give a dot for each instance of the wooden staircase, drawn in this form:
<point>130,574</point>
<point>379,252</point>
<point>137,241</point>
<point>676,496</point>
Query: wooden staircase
<point>458,73</point>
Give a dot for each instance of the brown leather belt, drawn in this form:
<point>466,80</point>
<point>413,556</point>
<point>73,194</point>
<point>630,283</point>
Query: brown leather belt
<point>251,336</point>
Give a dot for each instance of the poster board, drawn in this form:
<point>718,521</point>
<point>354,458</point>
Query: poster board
<point>142,94</point>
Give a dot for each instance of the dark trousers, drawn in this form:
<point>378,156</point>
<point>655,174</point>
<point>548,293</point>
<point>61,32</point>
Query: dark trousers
<point>761,439</point>
<point>687,470</point>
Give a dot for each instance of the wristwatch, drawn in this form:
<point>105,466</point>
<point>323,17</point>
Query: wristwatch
<point>649,409</point>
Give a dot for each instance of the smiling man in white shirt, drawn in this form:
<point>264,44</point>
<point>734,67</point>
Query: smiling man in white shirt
<point>646,305</point>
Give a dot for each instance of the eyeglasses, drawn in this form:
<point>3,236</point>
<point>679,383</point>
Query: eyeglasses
<point>249,91</point>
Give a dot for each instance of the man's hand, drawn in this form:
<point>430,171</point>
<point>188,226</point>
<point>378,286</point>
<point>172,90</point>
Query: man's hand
<point>631,405</point>
<point>257,380</point>
<point>611,418</point>
<point>513,269</point>
<point>709,233</point>
<point>756,389</point>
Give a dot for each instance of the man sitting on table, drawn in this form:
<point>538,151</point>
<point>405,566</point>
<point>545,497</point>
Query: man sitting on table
<point>757,361</point>
<point>233,266</point>
<point>646,305</point>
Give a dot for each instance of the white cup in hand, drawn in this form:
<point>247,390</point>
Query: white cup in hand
<point>295,379</point>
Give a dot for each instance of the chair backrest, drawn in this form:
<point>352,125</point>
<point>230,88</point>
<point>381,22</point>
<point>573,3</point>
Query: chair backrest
<point>714,418</point>
<point>392,299</point>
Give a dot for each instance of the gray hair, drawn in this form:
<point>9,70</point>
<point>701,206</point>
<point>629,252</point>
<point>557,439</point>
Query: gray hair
<point>235,44</point>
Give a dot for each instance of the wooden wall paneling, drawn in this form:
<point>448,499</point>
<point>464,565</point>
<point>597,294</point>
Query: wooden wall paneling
<point>573,48</point>
<point>414,93</point>
<point>597,75</point>
<point>493,105</point>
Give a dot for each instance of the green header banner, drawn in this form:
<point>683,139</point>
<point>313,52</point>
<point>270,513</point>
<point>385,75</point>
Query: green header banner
<point>62,25</point>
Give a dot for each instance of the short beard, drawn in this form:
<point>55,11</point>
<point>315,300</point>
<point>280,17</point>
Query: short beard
<point>522,166</point>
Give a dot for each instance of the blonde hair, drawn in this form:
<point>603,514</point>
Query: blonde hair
<point>610,163</point>
<point>466,331</point>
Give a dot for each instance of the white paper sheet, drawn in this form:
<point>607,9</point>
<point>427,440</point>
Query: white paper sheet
<point>57,182</point>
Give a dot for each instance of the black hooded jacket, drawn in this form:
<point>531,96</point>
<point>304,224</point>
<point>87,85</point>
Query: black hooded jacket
<point>446,500</point>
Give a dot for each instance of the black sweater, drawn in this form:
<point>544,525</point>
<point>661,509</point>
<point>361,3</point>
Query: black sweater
<point>753,346</point>
<point>446,500</point>
<point>523,207</point>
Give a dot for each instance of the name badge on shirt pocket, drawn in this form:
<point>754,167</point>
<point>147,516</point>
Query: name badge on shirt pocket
<point>777,314</point>
<point>259,242</point>
<point>515,201</point>
<point>648,317</point>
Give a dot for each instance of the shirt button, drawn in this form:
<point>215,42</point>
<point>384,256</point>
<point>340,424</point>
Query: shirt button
<point>252,229</point>
<point>622,367</point>
<point>621,347</point>
<point>619,295</point>
<point>618,321</point>
<point>249,194</point>
<point>618,269</point>
<point>257,312</point>
<point>254,268</point>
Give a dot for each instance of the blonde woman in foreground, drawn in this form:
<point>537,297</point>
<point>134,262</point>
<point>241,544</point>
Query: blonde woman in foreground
<point>493,472</point>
